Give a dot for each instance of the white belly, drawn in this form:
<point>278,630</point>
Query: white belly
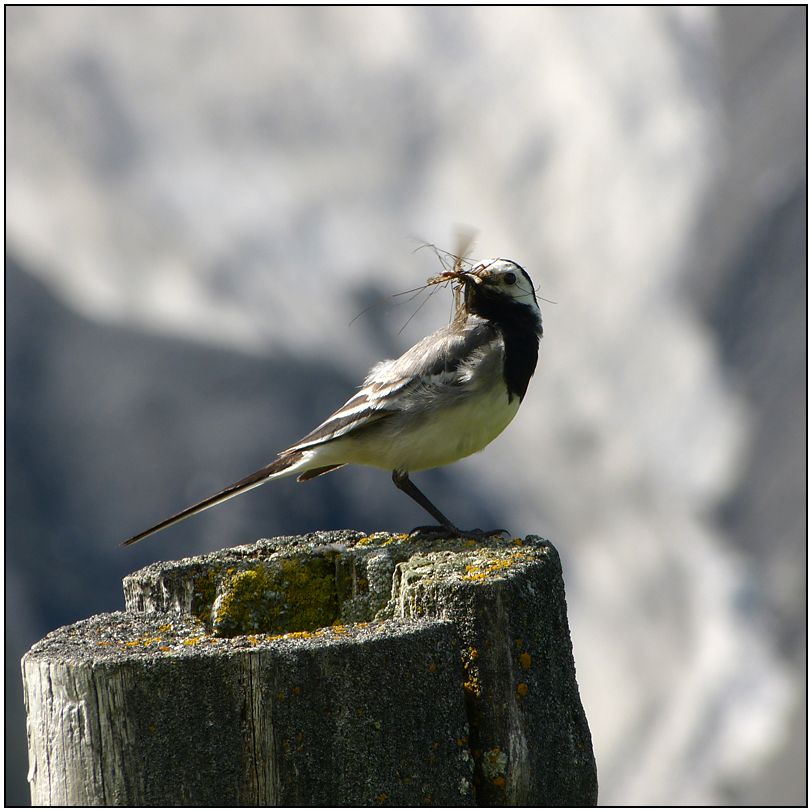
<point>430,442</point>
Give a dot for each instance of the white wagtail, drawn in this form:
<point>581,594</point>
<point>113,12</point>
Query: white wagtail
<point>447,397</point>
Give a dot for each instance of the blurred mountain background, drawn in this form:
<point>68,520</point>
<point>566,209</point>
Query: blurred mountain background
<point>200,200</point>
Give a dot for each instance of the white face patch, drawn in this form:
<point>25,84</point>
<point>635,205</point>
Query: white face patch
<point>511,279</point>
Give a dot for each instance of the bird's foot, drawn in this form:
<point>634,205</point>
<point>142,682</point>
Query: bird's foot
<point>451,532</point>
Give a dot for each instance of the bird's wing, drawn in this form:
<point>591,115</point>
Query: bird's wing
<point>434,368</point>
<point>438,364</point>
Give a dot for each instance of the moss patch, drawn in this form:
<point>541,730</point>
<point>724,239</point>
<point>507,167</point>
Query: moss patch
<point>288,595</point>
<point>204,594</point>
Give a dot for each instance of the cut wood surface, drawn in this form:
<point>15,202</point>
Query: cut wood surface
<point>330,669</point>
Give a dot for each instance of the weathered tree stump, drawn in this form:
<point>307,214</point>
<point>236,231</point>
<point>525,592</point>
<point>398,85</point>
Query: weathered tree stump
<point>331,669</point>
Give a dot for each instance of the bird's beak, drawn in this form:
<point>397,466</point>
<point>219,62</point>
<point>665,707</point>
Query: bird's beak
<point>470,277</point>
<point>481,275</point>
<point>466,277</point>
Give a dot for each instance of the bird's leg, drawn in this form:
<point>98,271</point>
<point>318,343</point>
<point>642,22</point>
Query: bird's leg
<point>402,481</point>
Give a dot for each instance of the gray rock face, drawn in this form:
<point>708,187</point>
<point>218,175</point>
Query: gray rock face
<point>331,669</point>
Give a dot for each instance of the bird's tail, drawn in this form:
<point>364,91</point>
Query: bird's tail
<point>280,467</point>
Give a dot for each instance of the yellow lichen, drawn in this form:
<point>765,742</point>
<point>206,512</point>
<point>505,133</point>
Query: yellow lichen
<point>299,635</point>
<point>478,572</point>
<point>472,686</point>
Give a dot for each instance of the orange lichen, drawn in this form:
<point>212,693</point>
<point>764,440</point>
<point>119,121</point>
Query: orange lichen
<point>472,686</point>
<point>525,660</point>
<point>522,689</point>
<point>298,635</point>
<point>478,572</point>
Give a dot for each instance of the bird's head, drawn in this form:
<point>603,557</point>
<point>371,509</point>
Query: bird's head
<point>501,278</point>
<point>494,284</point>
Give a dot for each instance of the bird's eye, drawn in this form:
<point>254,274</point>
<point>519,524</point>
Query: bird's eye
<point>510,278</point>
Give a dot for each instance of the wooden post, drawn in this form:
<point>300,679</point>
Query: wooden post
<point>332,669</point>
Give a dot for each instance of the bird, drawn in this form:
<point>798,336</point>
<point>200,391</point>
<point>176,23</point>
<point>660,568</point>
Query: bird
<point>446,398</point>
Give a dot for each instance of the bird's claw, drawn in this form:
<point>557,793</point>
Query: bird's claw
<point>440,532</point>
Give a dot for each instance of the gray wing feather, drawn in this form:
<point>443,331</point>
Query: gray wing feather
<point>440,366</point>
